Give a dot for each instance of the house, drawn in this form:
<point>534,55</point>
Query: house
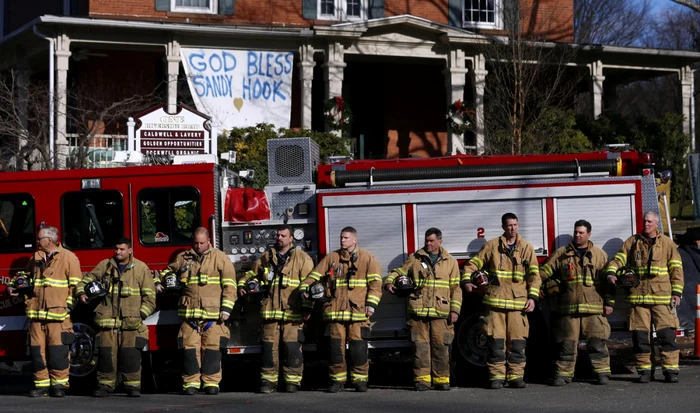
<point>397,63</point>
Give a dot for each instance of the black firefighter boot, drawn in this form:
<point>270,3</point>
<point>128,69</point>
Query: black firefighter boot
<point>645,377</point>
<point>39,392</point>
<point>58,391</point>
<point>671,377</point>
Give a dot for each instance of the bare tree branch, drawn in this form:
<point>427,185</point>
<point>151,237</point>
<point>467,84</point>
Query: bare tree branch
<point>611,22</point>
<point>688,3</point>
<point>92,109</point>
<point>527,75</point>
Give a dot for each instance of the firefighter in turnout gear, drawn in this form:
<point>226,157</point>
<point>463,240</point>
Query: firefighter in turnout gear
<point>512,264</point>
<point>122,336</point>
<point>353,281</point>
<point>54,272</point>
<point>206,302</point>
<point>281,270</point>
<point>584,301</point>
<point>433,309</point>
<point>655,259</point>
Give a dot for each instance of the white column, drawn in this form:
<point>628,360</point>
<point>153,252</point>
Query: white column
<point>686,82</point>
<point>306,72</point>
<point>172,63</point>
<point>62,60</point>
<point>333,72</point>
<point>597,80</point>
<point>455,80</point>
<point>479,81</point>
<point>23,79</point>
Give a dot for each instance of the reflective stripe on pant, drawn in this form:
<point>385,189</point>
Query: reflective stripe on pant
<point>202,354</point>
<point>120,350</point>
<point>665,322</point>
<point>506,331</point>
<point>292,335</point>
<point>356,335</point>
<point>432,342</point>
<point>592,327</point>
<point>50,349</point>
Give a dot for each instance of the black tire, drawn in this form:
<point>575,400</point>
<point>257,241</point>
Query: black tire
<point>469,351</point>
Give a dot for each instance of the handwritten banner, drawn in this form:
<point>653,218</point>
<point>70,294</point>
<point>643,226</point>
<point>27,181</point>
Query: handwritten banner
<point>239,88</point>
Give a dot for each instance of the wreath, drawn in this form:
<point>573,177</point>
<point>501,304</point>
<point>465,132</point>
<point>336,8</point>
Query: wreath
<point>459,118</point>
<point>337,113</point>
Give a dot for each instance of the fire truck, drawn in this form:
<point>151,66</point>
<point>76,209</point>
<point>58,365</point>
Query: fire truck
<point>391,203</point>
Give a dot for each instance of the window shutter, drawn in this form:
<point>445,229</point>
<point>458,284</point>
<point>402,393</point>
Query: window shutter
<point>376,9</point>
<point>227,7</point>
<point>163,5</point>
<point>308,9</point>
<point>454,13</point>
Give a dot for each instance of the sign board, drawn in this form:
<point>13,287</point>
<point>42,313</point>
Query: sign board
<point>186,132</point>
<point>240,88</point>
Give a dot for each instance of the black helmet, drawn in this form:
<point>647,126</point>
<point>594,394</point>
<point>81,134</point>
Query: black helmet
<point>94,290</point>
<point>23,282</point>
<point>253,286</point>
<point>317,291</point>
<point>627,278</point>
<point>403,286</point>
<point>480,278</point>
<point>171,282</point>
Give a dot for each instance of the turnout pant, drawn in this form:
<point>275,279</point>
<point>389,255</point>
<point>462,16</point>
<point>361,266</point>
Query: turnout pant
<point>50,349</point>
<point>120,351</point>
<point>356,335</point>
<point>665,322</point>
<point>292,337</point>
<point>201,360</point>
<point>506,332</point>
<point>594,328</point>
<point>432,343</point>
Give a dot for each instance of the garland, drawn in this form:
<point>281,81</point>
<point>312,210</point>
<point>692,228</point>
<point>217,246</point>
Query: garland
<point>337,113</point>
<point>459,118</point>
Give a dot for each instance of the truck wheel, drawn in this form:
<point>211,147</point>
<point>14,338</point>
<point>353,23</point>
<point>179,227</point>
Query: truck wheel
<point>83,353</point>
<point>471,342</point>
<point>469,352</point>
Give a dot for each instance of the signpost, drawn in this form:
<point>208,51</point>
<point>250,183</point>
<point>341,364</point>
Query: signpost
<point>187,132</point>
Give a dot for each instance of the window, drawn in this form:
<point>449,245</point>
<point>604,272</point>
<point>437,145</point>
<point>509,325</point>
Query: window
<point>342,9</point>
<point>92,219</point>
<point>194,6</point>
<point>168,215</point>
<point>482,14</point>
<point>16,223</point>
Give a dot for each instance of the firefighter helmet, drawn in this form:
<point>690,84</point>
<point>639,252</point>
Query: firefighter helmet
<point>23,282</point>
<point>627,278</point>
<point>95,290</point>
<point>171,282</point>
<point>254,286</point>
<point>480,278</point>
<point>403,286</point>
<point>317,291</point>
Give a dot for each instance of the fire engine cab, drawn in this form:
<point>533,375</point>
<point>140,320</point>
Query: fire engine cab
<point>390,202</point>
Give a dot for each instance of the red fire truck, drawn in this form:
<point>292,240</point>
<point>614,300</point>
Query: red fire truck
<point>390,202</point>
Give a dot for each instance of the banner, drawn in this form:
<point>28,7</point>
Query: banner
<point>240,88</point>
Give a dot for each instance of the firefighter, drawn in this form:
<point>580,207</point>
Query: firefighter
<point>280,270</point>
<point>511,263</point>
<point>353,281</point>
<point>653,257</point>
<point>129,298</point>
<point>206,302</point>
<point>584,302</point>
<point>53,271</point>
<point>433,309</point>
